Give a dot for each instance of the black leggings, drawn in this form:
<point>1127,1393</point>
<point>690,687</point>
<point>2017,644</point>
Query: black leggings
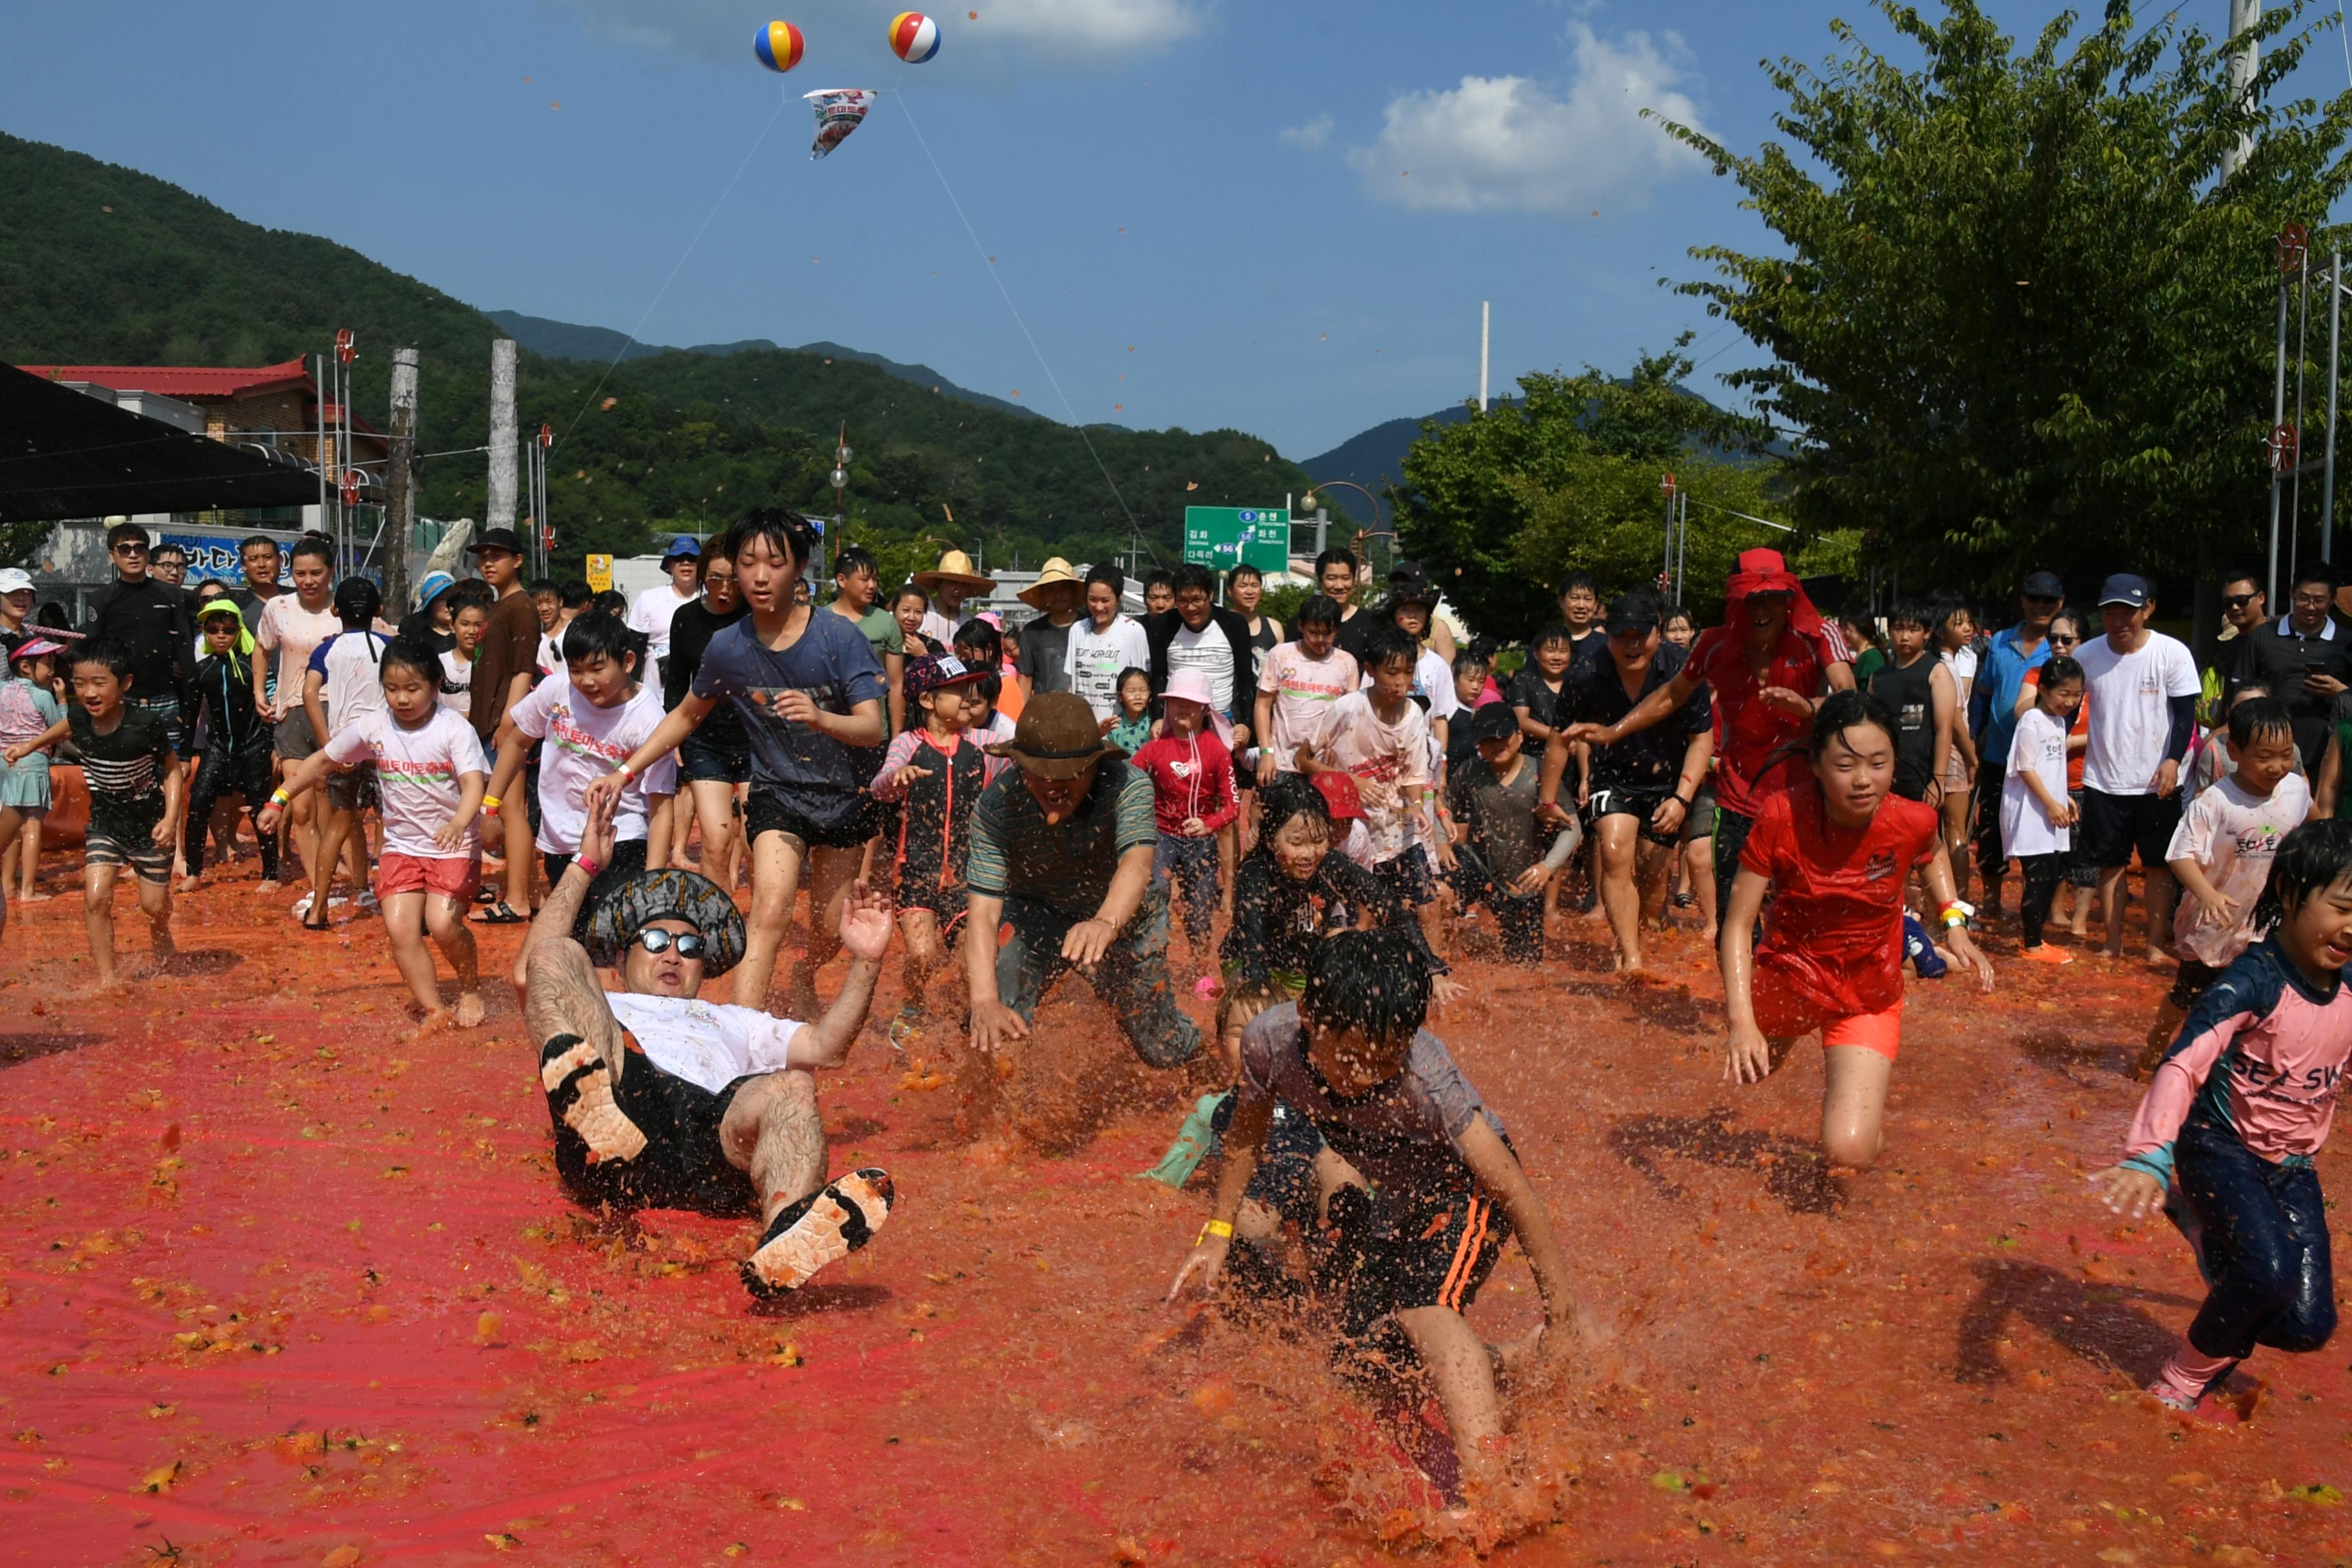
<point>2042,874</point>
<point>223,772</point>
<point>2264,1247</point>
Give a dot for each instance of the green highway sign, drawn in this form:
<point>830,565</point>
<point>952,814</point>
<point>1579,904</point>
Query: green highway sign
<point>1224,536</point>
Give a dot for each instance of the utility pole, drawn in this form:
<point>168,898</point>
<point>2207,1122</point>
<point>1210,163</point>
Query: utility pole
<point>1485,321</point>
<point>501,507</point>
<point>2243,17</point>
<point>400,483</point>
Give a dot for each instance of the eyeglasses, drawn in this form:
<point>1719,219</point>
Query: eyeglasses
<point>2239,601</point>
<point>689,944</point>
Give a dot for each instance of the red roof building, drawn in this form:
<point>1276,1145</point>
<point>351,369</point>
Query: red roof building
<point>279,403</point>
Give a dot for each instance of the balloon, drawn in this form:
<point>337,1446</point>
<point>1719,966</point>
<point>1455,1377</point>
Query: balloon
<point>914,37</point>
<point>779,46</point>
<point>839,112</point>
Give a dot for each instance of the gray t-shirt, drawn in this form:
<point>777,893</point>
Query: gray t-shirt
<point>834,664</point>
<point>1405,1134</point>
<point>1045,654</point>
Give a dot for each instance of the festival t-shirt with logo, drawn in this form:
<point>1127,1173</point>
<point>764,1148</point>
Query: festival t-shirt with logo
<point>1758,748</point>
<point>835,666</point>
<point>2232,837</point>
<point>417,772</point>
<point>1834,931</point>
<point>584,742</point>
<point>1393,755</point>
<point>1303,689</point>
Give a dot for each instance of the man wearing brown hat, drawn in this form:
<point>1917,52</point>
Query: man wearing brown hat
<point>1061,851</point>
<point>950,585</point>
<point>1058,595</point>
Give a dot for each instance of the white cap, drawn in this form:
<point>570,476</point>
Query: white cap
<point>15,580</point>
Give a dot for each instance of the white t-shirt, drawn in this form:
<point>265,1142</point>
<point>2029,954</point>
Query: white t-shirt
<point>1395,754</point>
<point>650,613</point>
<point>585,743</point>
<point>2039,748</point>
<point>419,775</point>
<point>1209,652</point>
<point>1303,689</point>
<point>1095,659</point>
<point>1962,663</point>
<point>939,631</point>
<point>707,1043</point>
<point>352,665</point>
<point>293,633</point>
<point>457,682</point>
<point>2130,695</point>
<point>2232,837</point>
<point>1432,679</point>
<point>551,653</point>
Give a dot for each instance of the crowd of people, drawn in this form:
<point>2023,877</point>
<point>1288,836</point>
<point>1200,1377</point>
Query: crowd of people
<point>1340,808</point>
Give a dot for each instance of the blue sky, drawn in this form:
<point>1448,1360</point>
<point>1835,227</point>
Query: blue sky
<point>1201,209</point>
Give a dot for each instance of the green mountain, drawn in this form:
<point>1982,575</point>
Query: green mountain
<point>101,264</point>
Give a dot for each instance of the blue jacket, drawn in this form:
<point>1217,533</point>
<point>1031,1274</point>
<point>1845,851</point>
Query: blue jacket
<point>2001,675</point>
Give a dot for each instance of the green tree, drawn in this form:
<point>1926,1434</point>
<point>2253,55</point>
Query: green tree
<point>2018,319</point>
<point>1497,507</point>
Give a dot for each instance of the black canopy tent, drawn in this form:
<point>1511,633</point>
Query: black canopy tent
<point>63,454</point>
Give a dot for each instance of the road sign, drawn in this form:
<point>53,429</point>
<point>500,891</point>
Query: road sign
<point>1224,536</point>
<point>600,572</point>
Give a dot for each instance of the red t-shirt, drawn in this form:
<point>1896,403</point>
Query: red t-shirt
<point>1748,732</point>
<point>1834,934</point>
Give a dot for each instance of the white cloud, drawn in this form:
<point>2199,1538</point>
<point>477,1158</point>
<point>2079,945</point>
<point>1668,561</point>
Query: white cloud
<point>839,30</point>
<point>1312,135</point>
<point>1509,144</point>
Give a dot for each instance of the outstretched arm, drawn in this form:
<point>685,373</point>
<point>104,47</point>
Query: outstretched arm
<point>1651,710</point>
<point>866,932</point>
<point>1244,1141</point>
<point>1499,1172</point>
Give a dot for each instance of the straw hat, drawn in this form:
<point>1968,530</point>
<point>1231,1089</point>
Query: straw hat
<point>1054,575</point>
<point>1057,737</point>
<point>955,567</point>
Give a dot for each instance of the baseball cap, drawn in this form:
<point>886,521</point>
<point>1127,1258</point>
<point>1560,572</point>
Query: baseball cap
<point>2123,588</point>
<point>1635,612</point>
<point>1495,722</point>
<point>683,545</point>
<point>432,586</point>
<point>929,674</point>
<point>2044,586</point>
<point>15,580</point>
<point>505,539</point>
<point>1341,795</point>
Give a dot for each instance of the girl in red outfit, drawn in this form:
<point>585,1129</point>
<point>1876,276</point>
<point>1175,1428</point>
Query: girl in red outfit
<point>1192,796</point>
<point>1837,850</point>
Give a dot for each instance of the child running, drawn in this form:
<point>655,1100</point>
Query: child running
<point>429,774</point>
<point>237,755</point>
<point>935,773</point>
<point>1192,796</point>
<point>2237,1110</point>
<point>1495,811</point>
<point>28,711</point>
<point>2222,853</point>
<point>136,793</point>
<point>1298,685</point>
<point>343,685</point>
<point>1425,1194</point>
<point>1836,850</point>
<point>2037,815</point>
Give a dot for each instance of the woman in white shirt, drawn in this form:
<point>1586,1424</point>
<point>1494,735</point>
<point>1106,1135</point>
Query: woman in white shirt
<point>1955,647</point>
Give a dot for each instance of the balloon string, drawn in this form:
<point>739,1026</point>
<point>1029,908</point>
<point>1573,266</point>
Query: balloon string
<point>782,99</point>
<point>988,262</point>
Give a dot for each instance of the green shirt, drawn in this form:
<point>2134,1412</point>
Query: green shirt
<point>1867,663</point>
<point>1065,866</point>
<point>881,628</point>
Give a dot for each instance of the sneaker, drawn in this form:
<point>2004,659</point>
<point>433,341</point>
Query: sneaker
<point>907,1026</point>
<point>2171,1398</point>
<point>2045,954</point>
<point>824,1227</point>
<point>580,1092</point>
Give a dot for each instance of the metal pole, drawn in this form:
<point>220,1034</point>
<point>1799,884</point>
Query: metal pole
<point>2244,15</point>
<point>400,491</point>
<point>1485,318</point>
<point>2334,337</point>
<point>500,508</point>
<point>2278,417</point>
<point>319,430</point>
<point>2301,360</point>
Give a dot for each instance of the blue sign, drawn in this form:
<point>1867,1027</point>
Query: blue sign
<point>213,558</point>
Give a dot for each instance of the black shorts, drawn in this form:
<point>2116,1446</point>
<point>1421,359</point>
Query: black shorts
<point>819,819</point>
<point>2114,826</point>
<point>1390,1251</point>
<point>2191,983</point>
<point>921,887</point>
<point>628,860</point>
<point>1409,877</point>
<point>1636,803</point>
<point>683,1164</point>
<point>699,759</point>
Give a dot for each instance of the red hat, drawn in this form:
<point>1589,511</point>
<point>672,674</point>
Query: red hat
<point>1764,572</point>
<point>1340,795</point>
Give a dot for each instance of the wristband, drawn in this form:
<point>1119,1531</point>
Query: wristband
<point>582,862</point>
<point>491,802</point>
<point>278,797</point>
<point>1214,1228</point>
<point>627,772</point>
<point>1956,914</point>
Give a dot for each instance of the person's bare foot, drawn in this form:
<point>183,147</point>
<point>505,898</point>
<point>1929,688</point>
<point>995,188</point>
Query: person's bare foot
<point>187,885</point>
<point>35,897</point>
<point>470,1010</point>
<point>2157,955</point>
<point>431,1021</point>
<point>2111,950</point>
<point>264,885</point>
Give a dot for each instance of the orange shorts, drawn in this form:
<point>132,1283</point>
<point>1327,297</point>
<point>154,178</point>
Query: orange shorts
<point>1783,1015</point>
<point>452,879</point>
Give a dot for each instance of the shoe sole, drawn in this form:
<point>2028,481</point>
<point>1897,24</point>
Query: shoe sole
<point>824,1228</point>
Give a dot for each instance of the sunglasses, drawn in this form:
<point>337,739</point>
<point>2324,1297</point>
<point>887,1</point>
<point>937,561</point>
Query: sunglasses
<point>2063,640</point>
<point>2239,601</point>
<point>131,549</point>
<point>689,944</point>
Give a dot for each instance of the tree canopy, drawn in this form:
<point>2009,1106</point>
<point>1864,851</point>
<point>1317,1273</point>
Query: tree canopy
<point>2019,320</point>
